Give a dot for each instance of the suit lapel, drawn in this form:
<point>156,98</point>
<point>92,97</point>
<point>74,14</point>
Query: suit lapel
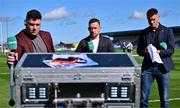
<point>45,38</point>
<point>161,36</point>
<point>100,44</point>
<point>29,46</point>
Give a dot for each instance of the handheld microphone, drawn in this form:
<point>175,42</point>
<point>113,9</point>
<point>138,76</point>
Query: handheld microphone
<point>163,45</point>
<point>90,45</point>
<point>12,45</point>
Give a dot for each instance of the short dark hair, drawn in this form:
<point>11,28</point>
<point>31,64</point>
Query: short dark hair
<point>94,20</point>
<point>151,12</point>
<point>33,14</point>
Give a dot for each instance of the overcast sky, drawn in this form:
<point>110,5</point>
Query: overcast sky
<point>67,20</point>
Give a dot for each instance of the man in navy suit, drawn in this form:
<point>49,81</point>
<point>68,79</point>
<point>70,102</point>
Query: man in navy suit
<point>163,39</point>
<point>95,42</point>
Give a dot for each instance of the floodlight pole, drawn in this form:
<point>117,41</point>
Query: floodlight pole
<point>1,37</point>
<point>6,20</point>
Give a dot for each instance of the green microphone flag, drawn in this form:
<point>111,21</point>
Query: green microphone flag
<point>90,45</point>
<point>12,43</point>
<point>163,45</point>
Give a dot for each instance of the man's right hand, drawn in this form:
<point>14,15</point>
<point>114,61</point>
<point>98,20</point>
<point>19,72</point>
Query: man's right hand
<point>12,57</point>
<point>146,51</point>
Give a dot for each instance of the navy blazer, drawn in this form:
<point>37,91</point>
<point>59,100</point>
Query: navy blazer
<point>105,45</point>
<point>164,35</point>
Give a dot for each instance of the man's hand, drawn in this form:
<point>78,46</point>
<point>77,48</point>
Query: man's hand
<point>12,57</point>
<point>146,51</point>
<point>158,51</point>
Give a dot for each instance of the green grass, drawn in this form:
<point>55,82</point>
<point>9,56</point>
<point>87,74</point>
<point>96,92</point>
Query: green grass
<point>4,82</point>
<point>174,83</point>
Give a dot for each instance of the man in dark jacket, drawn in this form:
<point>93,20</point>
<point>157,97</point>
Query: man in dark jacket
<point>31,39</point>
<point>95,42</point>
<point>162,38</point>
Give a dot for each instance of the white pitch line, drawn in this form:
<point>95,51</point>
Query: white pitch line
<point>173,99</point>
<point>135,55</point>
<point>4,73</point>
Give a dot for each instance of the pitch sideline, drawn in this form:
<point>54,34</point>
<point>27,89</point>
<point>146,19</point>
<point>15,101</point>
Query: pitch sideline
<point>172,99</point>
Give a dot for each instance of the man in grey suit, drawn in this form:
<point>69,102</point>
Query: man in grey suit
<point>162,38</point>
<point>95,42</point>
